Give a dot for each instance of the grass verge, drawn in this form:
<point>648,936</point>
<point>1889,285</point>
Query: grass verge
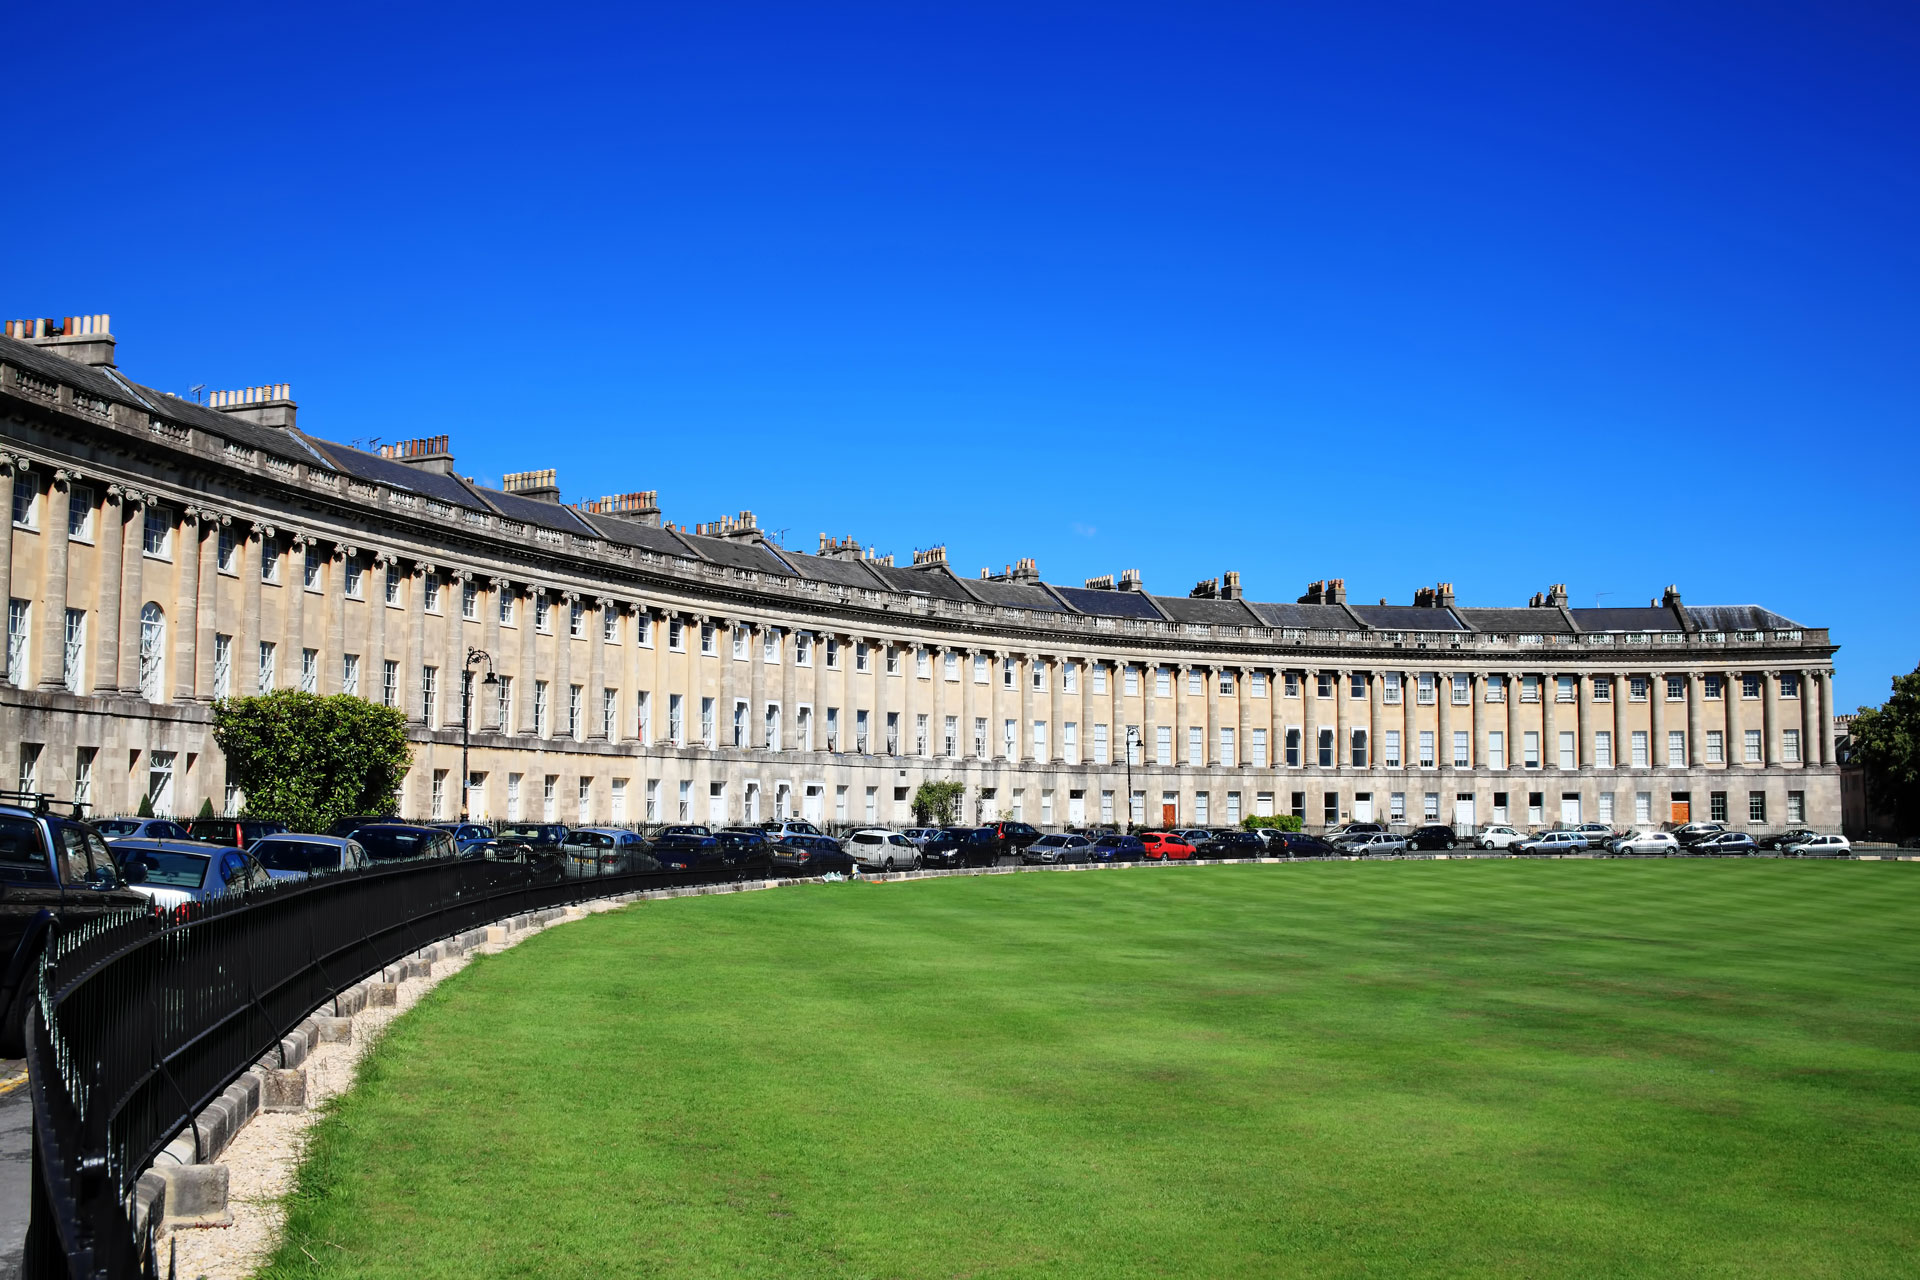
<point>1406,1069</point>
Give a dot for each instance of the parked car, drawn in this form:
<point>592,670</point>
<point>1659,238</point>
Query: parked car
<point>1433,836</point>
<point>746,851</point>
<point>877,849</point>
<point>140,828</point>
<point>235,833</point>
<point>550,836</point>
<point>1012,837</point>
<point>1117,848</point>
<point>295,857</point>
<point>348,825</point>
<point>55,873</point>
<point>1818,846</point>
<point>961,847</point>
<point>1231,844</point>
<point>918,836</point>
<point>1375,844</point>
<point>1554,842</point>
<point>1497,837</point>
<point>611,849</point>
<point>1338,834</point>
<point>1597,833</point>
<point>1298,844</point>
<point>171,873</point>
<point>780,829</point>
<point>1169,846</point>
<point>805,855</point>
<point>1781,839</point>
<point>1195,836</point>
<point>1644,843</point>
<point>1688,832</point>
<point>465,834</point>
<point>1723,844</point>
<point>399,841</point>
<point>686,848</point>
<point>1057,848</point>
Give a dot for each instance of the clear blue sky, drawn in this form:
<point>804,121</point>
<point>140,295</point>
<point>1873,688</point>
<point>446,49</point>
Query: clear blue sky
<point>1499,294</point>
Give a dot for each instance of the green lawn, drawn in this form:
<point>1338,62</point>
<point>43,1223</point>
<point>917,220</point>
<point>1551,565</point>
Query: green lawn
<point>1399,1069</point>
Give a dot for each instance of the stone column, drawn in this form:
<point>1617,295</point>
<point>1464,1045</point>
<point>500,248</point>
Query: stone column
<point>1477,716</point>
<point>1826,716</point>
<point>563,661</point>
<point>333,658</point>
<point>1410,721</point>
<point>9,467</point>
<point>1515,753</point>
<point>1583,741</point>
<point>184,631</point>
<point>1057,710</point>
<point>1210,739</point>
<point>530,654</point>
<point>1023,669</point>
<point>1770,717</point>
<point>487,718</point>
<point>208,610</point>
<point>1376,718</point>
<point>1243,750</point>
<point>1443,734</point>
<point>1809,718</point>
<point>1310,718</point>
<point>1657,713</point>
<point>132,584</point>
<point>596,728</point>
<point>411,678</point>
<point>1089,715</point>
<point>293,619</point>
<point>967,712</point>
<point>1342,730</point>
<point>249,554</point>
<point>756,695</point>
<point>373,662</point>
<point>790,690</point>
<point>1549,721</point>
<point>53,581</point>
<point>1696,740</point>
<point>1736,735</point>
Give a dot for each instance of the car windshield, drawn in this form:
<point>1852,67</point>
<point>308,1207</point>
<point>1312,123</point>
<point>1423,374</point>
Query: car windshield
<point>389,844</point>
<point>529,834</point>
<point>593,839</point>
<point>171,870</point>
<point>297,855</point>
<point>112,827</point>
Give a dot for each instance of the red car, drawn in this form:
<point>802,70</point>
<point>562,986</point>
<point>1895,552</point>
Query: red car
<point>1165,845</point>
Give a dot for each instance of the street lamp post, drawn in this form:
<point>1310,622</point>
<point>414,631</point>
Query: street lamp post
<point>466,716</point>
<point>1133,736</point>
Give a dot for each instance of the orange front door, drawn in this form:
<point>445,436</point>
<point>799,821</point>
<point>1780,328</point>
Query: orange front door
<point>1680,810</point>
<point>1167,817</point>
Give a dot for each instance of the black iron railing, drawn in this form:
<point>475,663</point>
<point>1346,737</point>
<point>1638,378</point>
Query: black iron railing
<point>146,1016</point>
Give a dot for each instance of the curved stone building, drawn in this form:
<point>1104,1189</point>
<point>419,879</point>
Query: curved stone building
<point>164,553</point>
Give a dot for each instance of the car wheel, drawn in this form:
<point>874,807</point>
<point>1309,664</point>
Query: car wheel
<point>1451,845</point>
<point>918,864</point>
<point>889,865</point>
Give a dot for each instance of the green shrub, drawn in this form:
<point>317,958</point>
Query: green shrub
<point>1283,822</point>
<point>305,760</point>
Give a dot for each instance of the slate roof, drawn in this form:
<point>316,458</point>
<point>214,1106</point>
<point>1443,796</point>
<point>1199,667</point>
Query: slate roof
<point>1656,618</point>
<point>60,369</point>
<point>549,515</point>
<point>938,583</point>
<point>631,533</point>
<point>1014,595</point>
<point>1738,617</point>
<point>1406,617</point>
<point>1225,613</point>
<point>1516,622</point>
<point>371,466</point>
<point>846,573</point>
<point>737,555</point>
<point>185,413</point>
<point>1109,604</point>
<point>1324,617</point>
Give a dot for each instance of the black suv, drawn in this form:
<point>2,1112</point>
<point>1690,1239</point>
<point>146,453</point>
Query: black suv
<point>1432,837</point>
<point>1232,844</point>
<point>962,847</point>
<point>1011,837</point>
<point>53,871</point>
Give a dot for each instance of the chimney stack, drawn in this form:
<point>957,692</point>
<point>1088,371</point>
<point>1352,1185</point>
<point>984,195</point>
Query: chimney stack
<point>1206,589</point>
<point>846,548</point>
<point>1025,570</point>
<point>428,453</point>
<point>540,486</point>
<point>932,557</point>
<point>268,406</point>
<point>82,339</point>
<point>740,528</point>
<point>1102,583</point>
<point>641,507</point>
<point>1672,598</point>
<point>1557,595</point>
<point>1230,586</point>
<point>1130,580</point>
<point>1316,594</point>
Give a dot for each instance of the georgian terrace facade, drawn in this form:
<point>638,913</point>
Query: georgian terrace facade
<point>163,554</point>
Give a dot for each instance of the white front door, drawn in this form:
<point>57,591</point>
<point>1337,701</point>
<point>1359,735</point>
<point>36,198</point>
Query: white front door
<point>1463,813</point>
<point>813,802</point>
<point>1076,809</point>
<point>1363,807</point>
<point>1570,809</point>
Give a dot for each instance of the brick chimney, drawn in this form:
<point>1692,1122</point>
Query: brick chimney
<point>1316,594</point>
<point>540,486</point>
<point>428,453</point>
<point>1025,570</point>
<point>81,339</point>
<point>640,507</point>
<point>268,406</point>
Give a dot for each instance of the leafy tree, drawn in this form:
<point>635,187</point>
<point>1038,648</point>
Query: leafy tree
<point>306,760</point>
<point>1283,822</point>
<point>936,803</point>
<point>1886,744</point>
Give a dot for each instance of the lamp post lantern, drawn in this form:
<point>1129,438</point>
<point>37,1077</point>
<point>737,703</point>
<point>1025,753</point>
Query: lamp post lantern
<point>466,716</point>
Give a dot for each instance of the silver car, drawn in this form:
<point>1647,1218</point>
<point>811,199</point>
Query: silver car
<point>877,849</point>
<point>175,872</point>
<point>1373,842</point>
<point>295,857</point>
<point>1058,848</point>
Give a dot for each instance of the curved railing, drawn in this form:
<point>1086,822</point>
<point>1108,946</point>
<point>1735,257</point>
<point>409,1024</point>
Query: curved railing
<point>145,1017</point>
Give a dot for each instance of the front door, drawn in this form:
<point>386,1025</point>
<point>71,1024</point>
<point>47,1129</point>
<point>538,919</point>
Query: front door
<point>1168,815</point>
<point>1570,810</point>
<point>1463,813</point>
<point>1077,809</point>
<point>1363,806</point>
<point>813,801</point>
<point>753,802</point>
<point>1682,806</point>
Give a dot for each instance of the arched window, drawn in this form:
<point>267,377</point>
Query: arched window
<point>153,652</point>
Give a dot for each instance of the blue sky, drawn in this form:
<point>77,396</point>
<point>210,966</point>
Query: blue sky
<point>1395,293</point>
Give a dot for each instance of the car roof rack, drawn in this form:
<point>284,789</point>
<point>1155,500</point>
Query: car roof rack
<point>40,802</point>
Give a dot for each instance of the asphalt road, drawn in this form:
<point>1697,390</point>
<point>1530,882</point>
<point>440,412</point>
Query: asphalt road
<point>16,1165</point>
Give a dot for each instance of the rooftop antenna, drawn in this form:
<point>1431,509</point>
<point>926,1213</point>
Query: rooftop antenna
<point>195,391</point>
<point>366,444</point>
<point>778,537</point>
<point>1597,595</point>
